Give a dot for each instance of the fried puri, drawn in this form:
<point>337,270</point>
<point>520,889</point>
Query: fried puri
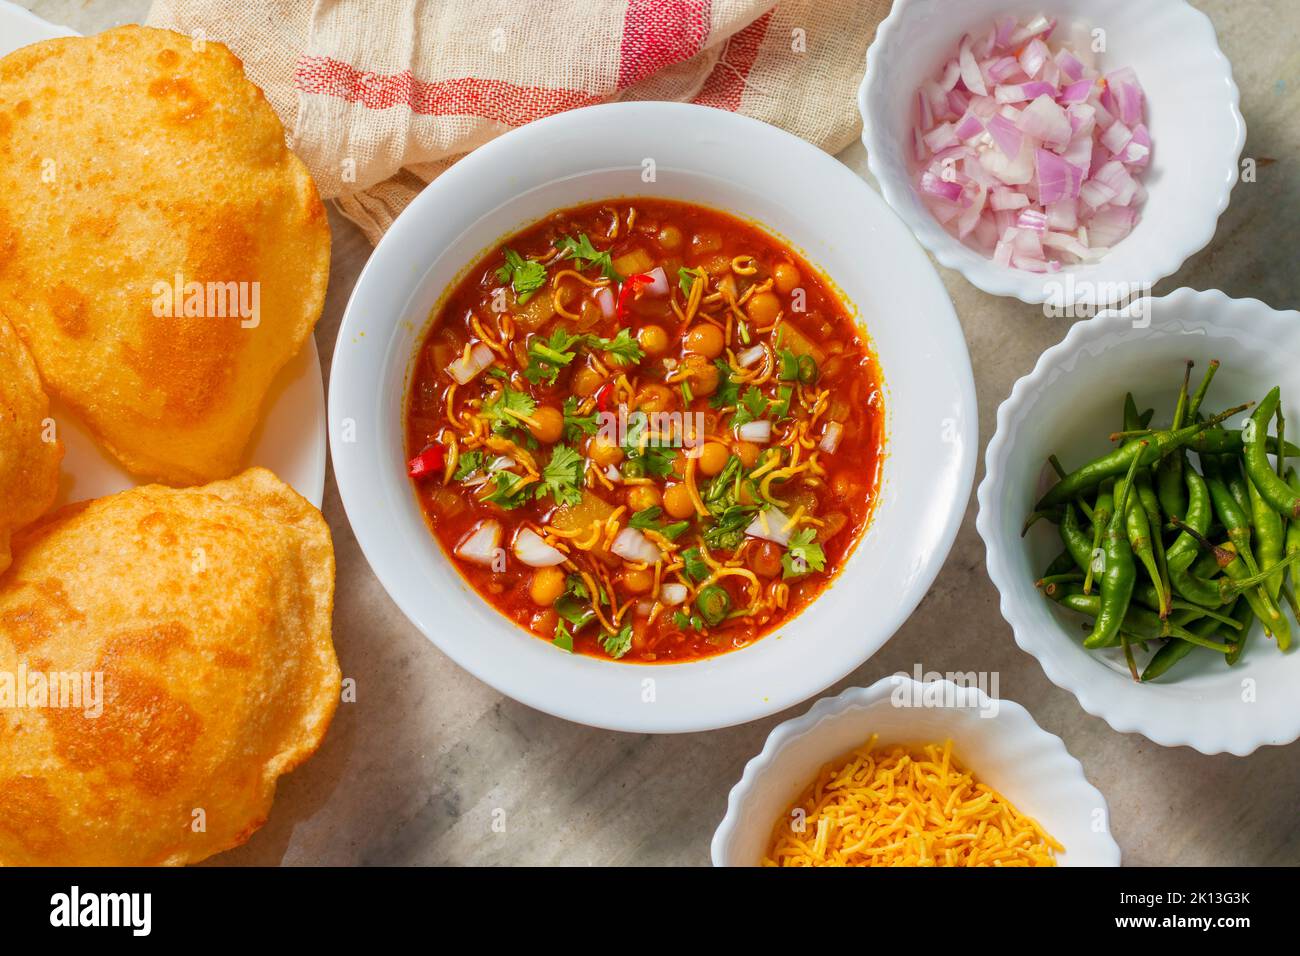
<point>162,253</point>
<point>29,450</point>
<point>207,613</point>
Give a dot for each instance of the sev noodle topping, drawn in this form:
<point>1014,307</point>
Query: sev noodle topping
<point>900,806</point>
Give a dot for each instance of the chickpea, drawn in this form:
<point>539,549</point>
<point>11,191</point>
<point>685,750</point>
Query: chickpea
<point>786,278</point>
<point>547,425</point>
<point>677,502</point>
<point>547,585</point>
<point>585,381</point>
<point>638,581</point>
<point>703,375</point>
<point>704,339</point>
<point>654,397</point>
<point>763,308</point>
<point>747,452</point>
<point>653,339</point>
<point>766,561</point>
<point>641,497</point>
<point>670,238</point>
<point>543,623</point>
<point>603,452</point>
<point>713,458</point>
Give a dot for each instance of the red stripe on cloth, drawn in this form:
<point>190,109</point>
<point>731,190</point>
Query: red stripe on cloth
<point>659,33</point>
<point>726,84</point>
<point>494,100</point>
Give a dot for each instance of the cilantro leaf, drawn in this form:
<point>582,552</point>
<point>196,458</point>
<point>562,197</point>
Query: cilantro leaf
<point>575,425</point>
<point>562,476</point>
<point>507,491</point>
<point>686,278</point>
<point>803,554</point>
<point>581,251</point>
<point>496,409</point>
<point>647,519</point>
<point>695,567</point>
<point>645,459</point>
<point>752,407</point>
<point>547,357</point>
<point>728,392</point>
<point>622,348</point>
<point>789,366</point>
<point>616,645</point>
<point>563,637</point>
<point>781,407</point>
<point>470,462</point>
<point>524,275</point>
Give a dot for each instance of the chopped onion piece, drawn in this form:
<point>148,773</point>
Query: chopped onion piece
<point>770,525</point>
<point>608,306</point>
<point>1019,134</point>
<point>970,71</point>
<point>831,437</point>
<point>463,370</point>
<point>481,545</point>
<point>632,545</point>
<point>535,552</point>
<point>759,432</point>
<point>754,355</point>
<point>673,594</point>
<point>658,285</point>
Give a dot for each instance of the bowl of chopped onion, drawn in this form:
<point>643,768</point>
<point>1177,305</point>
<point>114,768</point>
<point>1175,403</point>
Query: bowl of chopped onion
<point>1054,151</point>
<point>904,773</point>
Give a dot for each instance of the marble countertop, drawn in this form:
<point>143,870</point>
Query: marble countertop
<point>430,766</point>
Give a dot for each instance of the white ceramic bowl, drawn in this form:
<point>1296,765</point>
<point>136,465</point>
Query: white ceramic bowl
<point>1068,405</point>
<point>717,159</point>
<point>997,741</point>
<point>1192,109</point>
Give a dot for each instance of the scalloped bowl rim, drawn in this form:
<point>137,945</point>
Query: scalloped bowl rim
<point>1155,260</point>
<point>1240,738</point>
<point>798,729</point>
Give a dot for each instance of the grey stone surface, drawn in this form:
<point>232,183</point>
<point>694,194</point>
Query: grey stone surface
<point>418,769</point>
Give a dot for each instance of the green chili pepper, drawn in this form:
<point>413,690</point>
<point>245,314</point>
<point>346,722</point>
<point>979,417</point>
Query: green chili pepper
<point>1270,538</point>
<point>1115,463</point>
<point>1197,516</point>
<point>1273,489</point>
<point>1170,487</point>
<point>1175,650</point>
<point>1119,574</point>
<point>1236,522</point>
<point>808,371</point>
<point>1245,616</point>
<point>1075,539</point>
<point>1102,511</point>
<point>713,603</point>
<point>1137,622</point>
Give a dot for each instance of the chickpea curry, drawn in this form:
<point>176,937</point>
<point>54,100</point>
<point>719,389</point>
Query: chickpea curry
<point>645,430</point>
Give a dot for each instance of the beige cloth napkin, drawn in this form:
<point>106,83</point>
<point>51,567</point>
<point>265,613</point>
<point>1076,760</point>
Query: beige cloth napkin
<point>380,96</point>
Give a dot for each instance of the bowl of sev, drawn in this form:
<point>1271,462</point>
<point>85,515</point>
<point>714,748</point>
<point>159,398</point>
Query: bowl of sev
<point>909,774</point>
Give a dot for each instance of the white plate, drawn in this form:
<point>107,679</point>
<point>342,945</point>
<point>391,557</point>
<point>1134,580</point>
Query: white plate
<point>290,440</point>
<point>1193,113</point>
<point>1068,405</point>
<point>717,159</point>
<point>997,741</point>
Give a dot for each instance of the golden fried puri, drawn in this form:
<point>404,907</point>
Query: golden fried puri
<point>162,253</point>
<point>206,614</point>
<point>29,449</point>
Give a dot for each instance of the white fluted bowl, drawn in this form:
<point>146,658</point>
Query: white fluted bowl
<point>997,741</point>
<point>1193,113</point>
<point>1069,404</point>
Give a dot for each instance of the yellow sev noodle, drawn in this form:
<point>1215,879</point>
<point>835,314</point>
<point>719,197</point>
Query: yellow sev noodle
<point>901,807</point>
